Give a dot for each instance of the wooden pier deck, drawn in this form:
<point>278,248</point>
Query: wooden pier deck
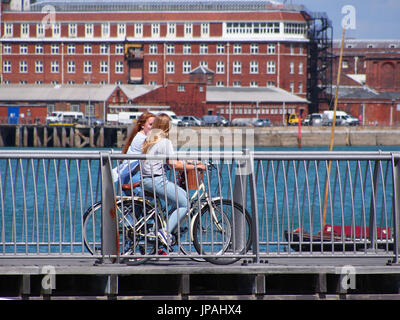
<point>184,279</point>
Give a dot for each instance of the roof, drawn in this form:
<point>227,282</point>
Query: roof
<point>367,43</point>
<point>134,91</point>
<point>251,94</point>
<point>164,5</point>
<point>201,70</point>
<point>362,92</point>
<point>45,92</point>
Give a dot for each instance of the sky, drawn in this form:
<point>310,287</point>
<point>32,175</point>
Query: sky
<point>374,19</point>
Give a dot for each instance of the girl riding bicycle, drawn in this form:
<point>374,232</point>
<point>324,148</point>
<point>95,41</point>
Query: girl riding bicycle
<point>155,180</point>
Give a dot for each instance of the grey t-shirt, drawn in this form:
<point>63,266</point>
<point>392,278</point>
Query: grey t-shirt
<point>156,167</point>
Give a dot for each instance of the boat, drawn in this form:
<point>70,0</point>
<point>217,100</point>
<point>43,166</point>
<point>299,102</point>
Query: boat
<point>338,238</point>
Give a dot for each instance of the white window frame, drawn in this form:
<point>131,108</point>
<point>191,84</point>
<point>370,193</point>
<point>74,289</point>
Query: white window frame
<point>119,48</point>
<point>72,30</point>
<point>87,48</point>
<point>71,48</point>
<point>253,67</point>
<point>87,66</point>
<point>23,48</point>
<point>103,67</point>
<point>170,67</point>
<point>24,30</point>
<point>271,48</point>
<point>71,66</point>
<point>188,29</point>
<point>55,48</point>
<point>138,30</point>
<point>186,67</point>
<point>119,67</point>
<point>187,48</point>
<point>7,67</point>
<point>105,30</point>
<point>205,29</point>
<point>89,30</point>
<point>8,29</point>
<point>121,30</point>
<point>237,48</point>
<point>54,66</point>
<point>153,48</point>
<point>153,67</point>
<point>56,30</point>
<point>171,29</point>
<point>220,67</point>
<point>38,66</point>
<point>155,29</point>
<point>203,48</point>
<point>271,67</point>
<point>237,67</point>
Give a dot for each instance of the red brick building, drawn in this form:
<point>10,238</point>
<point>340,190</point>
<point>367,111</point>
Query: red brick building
<point>370,81</point>
<point>242,43</point>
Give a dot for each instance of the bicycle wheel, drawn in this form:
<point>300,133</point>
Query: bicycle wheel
<point>132,242</point>
<point>227,232</point>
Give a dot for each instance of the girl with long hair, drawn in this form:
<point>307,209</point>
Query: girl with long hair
<point>154,177</point>
<point>129,171</point>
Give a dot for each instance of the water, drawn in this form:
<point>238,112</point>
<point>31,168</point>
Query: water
<point>43,201</point>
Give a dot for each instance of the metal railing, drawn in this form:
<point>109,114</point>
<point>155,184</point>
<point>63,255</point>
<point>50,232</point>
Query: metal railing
<point>295,209</point>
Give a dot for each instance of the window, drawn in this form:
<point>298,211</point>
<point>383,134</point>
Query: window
<point>38,66</point>
<point>153,49</point>
<point>291,48</point>
<point>87,67</point>
<point>254,48</point>
<point>237,84</point>
<point>153,67</point>
<point>24,30</point>
<point>188,29</point>
<point>138,30</point>
<point>105,30</point>
<point>187,66</point>
<point>119,67</point>
<point>271,67</point>
<point>345,64</point>
<point>23,49</point>
<point>170,67</point>
<point>301,68</point>
<point>121,30</point>
<point>7,48</point>
<point>300,87</point>
<point>104,48</point>
<point>87,48</point>
<point>170,48</point>
<point>291,68</point>
<point>155,29</point>
<point>171,29</point>
<point>181,88</point>
<point>8,29</point>
<point>89,27</point>
<point>237,48</point>
<point>295,28</point>
<point>39,49</point>
<point>103,67</point>
<point>253,84</point>
<point>253,67</point>
<point>205,29</point>
<point>271,48</point>
<point>55,49</point>
<point>291,87</point>
<point>203,48</point>
<point>204,64</point>
<point>119,48</point>
<point>71,66</point>
<point>55,66</point>
<point>187,48</point>
<point>72,29</point>
<point>220,48</point>
<point>71,48</point>
<point>220,67</point>
<point>23,66</point>
<point>56,27</point>
<point>220,84</point>
<point>252,28</point>
<point>40,30</point>
<point>7,66</point>
<point>237,67</point>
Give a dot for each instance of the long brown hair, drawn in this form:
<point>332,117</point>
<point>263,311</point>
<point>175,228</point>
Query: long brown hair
<point>139,126</point>
<point>160,129</point>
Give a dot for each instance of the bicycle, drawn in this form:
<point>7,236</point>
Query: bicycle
<point>210,221</point>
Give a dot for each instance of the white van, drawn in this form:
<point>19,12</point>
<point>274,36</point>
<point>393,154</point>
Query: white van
<point>174,118</point>
<point>64,117</point>
<point>342,118</point>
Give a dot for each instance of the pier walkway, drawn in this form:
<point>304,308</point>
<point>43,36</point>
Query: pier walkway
<point>307,225</point>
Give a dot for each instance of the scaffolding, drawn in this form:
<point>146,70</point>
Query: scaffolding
<point>319,62</point>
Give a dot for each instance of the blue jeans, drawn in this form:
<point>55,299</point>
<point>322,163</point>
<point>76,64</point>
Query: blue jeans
<point>175,195</point>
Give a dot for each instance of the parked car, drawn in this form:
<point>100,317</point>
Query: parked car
<point>313,119</point>
<point>64,117</point>
<point>342,119</point>
<point>191,121</point>
<point>262,123</point>
<point>91,120</point>
<point>215,121</point>
<point>243,121</point>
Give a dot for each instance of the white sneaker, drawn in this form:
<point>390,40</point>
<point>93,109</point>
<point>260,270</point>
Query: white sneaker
<point>165,237</point>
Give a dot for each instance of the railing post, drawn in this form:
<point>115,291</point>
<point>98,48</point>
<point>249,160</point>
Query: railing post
<point>396,204</point>
<point>109,219</point>
<point>372,211</point>
<point>245,176</point>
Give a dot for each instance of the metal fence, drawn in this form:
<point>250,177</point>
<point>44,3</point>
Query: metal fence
<point>301,204</point>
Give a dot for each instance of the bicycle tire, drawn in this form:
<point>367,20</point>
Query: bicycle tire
<point>92,232</point>
<point>216,242</point>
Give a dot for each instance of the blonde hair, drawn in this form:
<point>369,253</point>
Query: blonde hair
<point>139,126</point>
<point>160,130</point>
